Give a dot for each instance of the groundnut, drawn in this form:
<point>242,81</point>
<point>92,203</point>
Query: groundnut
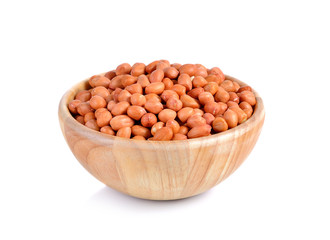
<point>176,66</point>
<point>231,118</point>
<point>198,111</point>
<point>236,85</point>
<point>138,69</point>
<point>134,88</point>
<point>110,74</point>
<point>179,89</point>
<point>124,132</point>
<point>92,124</point>
<point>199,81</point>
<point>208,118</point>
<point>124,96</point>
<point>83,96</point>
<point>138,130</point>
<point>153,96</point>
<point>211,87</point>
<point>166,114</point>
<point>156,87</point>
<point>232,104</point>
<point>228,85</point>
<point>136,112</point>
<point>138,138</point>
<point>123,68</point>
<point>174,104</point>
<point>98,80</point>
<point>233,97</point>
<point>205,97</point>
<point>97,102</point>
<point>213,78</point>
<point>167,94</point>
<point>143,80</point>
<point>241,115</point>
<point>212,107</point>
<point>179,136</point>
<point>195,120</point>
<point>89,116</point>
<point>222,95</point>
<point>84,108</point>
<point>73,106</point>
<point>162,65</point>
<point>156,76</point>
<point>171,72</point>
<point>121,121</point>
<point>110,105</point>
<point>194,93</point>
<point>185,113</point>
<point>148,120</point>
<point>245,88</point>
<point>199,131</point>
<point>116,93</point>
<point>127,80</point>
<point>116,82</point>
<point>120,108</point>
<point>246,107</point>
<point>217,71</point>
<point>200,71</point>
<point>151,66</point>
<point>80,119</point>
<point>138,99</point>
<point>183,130</point>
<point>219,124</point>
<point>100,91</point>
<point>174,125</point>
<point>107,130</point>
<point>188,101</point>
<point>153,106</point>
<point>189,69</point>
<point>156,126</point>
<point>103,118</point>
<point>248,96</point>
<point>168,83</point>
<point>163,134</point>
<point>185,80</point>
<point>222,108</point>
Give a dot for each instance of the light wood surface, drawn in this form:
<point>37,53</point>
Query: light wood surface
<point>160,170</point>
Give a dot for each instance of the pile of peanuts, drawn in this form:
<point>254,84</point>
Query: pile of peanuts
<point>162,101</point>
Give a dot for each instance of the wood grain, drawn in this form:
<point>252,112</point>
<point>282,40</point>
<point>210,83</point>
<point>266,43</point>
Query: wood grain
<point>160,170</point>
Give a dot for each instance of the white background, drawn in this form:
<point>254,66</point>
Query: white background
<point>281,48</point>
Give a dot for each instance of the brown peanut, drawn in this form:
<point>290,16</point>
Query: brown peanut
<point>134,88</point>
<point>121,121</point>
<point>171,72</point>
<point>124,132</point>
<point>73,106</point>
<point>143,80</point>
<point>156,76</point>
<point>189,69</point>
<point>138,99</point>
<point>174,125</point>
<point>199,131</point>
<point>188,101</point>
<point>138,130</point>
<point>83,96</point>
<point>205,97</point>
<point>156,126</point>
<point>248,96</point>
<point>136,112</point>
<point>120,108</point>
<point>92,124</point>
<point>179,136</point>
<point>166,114</point>
<point>195,120</point>
<point>194,93</point>
<point>231,118</point>
<point>153,106</point>
<point>107,130</point>
<point>209,118</point>
<point>222,95</point>
<point>179,89</point>
<point>138,69</point>
<point>219,124</point>
<point>185,80</point>
<point>211,87</point>
<point>148,120</point>
<point>174,104</point>
<point>155,87</point>
<point>246,107</point>
<point>163,134</point>
<point>185,113</point>
<point>124,68</point>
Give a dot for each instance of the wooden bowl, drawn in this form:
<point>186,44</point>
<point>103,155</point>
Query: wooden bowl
<point>160,170</point>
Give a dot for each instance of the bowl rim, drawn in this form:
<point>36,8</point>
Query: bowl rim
<point>65,116</point>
